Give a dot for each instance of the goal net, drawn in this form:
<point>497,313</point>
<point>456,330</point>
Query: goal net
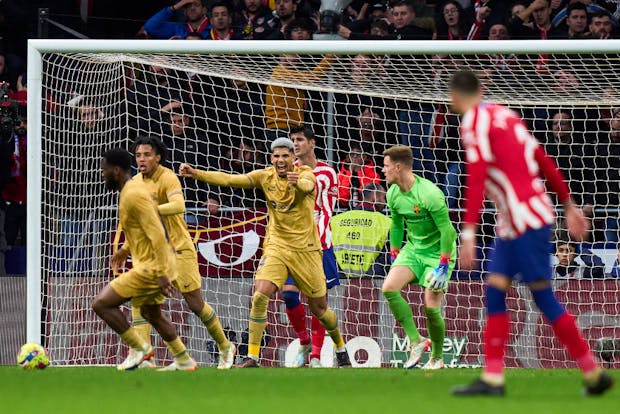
<point>218,105</point>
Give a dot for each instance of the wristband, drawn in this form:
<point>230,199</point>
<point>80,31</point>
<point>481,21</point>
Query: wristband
<point>444,260</point>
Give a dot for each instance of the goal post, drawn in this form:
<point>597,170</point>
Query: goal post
<point>218,104</point>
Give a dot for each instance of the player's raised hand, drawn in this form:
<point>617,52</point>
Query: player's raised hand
<point>186,170</point>
<point>292,177</point>
<point>118,259</point>
<point>576,223</point>
<point>165,286</point>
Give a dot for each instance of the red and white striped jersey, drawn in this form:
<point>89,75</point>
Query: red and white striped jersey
<point>325,200</point>
<point>507,162</point>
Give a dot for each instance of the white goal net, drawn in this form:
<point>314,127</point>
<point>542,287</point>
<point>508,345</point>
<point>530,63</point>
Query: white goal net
<point>218,106</point>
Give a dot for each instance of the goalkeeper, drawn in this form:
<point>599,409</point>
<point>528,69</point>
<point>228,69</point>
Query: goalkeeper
<point>428,257</point>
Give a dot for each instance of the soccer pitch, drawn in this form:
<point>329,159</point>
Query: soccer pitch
<point>291,391</point>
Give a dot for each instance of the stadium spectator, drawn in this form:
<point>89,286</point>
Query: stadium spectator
<point>574,264</point>
<point>285,107</point>
<point>452,22</point>
<point>360,236</point>
<point>159,25</point>
<point>607,180</point>
<point>572,156</point>
<point>284,13</point>
<point>186,144</point>
<point>601,26</point>
<point>242,160</point>
<point>610,7</point>
<point>403,26</point>
<point>576,22</point>
<point>540,13</point>
<point>252,19</point>
<point>220,14</point>
<point>148,93</point>
<point>356,171</point>
<point>517,8</point>
<point>14,193</point>
<point>615,269</point>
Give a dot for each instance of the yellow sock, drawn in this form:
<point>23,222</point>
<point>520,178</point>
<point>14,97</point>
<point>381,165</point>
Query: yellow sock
<point>141,325</point>
<point>177,349</point>
<point>258,322</point>
<point>330,322</point>
<point>131,338</point>
<point>212,322</point>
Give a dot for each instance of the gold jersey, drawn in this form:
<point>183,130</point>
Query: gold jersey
<point>143,229</point>
<point>166,189</point>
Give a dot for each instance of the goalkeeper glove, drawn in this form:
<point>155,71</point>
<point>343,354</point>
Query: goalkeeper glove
<point>438,278</point>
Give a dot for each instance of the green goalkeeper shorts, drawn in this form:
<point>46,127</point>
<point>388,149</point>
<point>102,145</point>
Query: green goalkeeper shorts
<point>422,263</point>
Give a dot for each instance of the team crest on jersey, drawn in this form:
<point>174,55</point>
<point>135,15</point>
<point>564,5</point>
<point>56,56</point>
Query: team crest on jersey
<point>416,209</point>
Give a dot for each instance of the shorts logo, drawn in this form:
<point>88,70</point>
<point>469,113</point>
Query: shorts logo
<point>416,209</point>
<point>185,286</point>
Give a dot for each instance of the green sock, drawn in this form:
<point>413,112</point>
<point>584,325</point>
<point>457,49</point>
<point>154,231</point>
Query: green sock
<point>436,330</point>
<point>402,313</point>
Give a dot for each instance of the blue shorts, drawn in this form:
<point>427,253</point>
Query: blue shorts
<point>525,258</point>
<point>330,269</point>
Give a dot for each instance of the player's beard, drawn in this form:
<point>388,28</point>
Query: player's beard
<point>111,184</point>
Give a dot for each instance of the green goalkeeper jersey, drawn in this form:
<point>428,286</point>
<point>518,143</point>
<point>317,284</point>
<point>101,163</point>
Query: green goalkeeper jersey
<point>423,209</point>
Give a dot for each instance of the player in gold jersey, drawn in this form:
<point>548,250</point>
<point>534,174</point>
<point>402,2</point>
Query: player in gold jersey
<point>165,187</point>
<point>150,279</point>
<point>291,245</point>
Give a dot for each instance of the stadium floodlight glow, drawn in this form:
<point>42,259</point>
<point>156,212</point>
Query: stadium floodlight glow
<point>330,13</point>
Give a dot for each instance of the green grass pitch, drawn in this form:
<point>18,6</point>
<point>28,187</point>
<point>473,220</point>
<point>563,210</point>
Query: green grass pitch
<point>292,391</point>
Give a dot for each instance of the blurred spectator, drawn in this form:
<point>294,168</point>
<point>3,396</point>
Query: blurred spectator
<point>240,160</point>
<point>285,107</point>
<point>372,135</point>
<point>541,28</point>
<point>156,87</point>
<point>186,144</point>
<point>14,193</point>
<point>576,22</point>
<point>221,21</point>
<point>570,151</point>
<point>252,20</point>
<point>607,7</point>
<point>403,26</point>
<point>360,236</point>
<point>356,171</point>
<point>572,264</point>
<point>607,179</point>
<point>452,23</point>
<point>516,10</point>
<point>601,26</point>
<point>285,12</point>
<point>615,269</point>
<point>159,25</point>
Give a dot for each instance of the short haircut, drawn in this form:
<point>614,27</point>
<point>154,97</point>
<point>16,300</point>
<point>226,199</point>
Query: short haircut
<point>220,4</point>
<point>118,157</point>
<point>302,23</point>
<point>576,6</point>
<point>598,14</point>
<point>465,82</point>
<point>571,244</point>
<point>369,189</point>
<point>158,146</point>
<point>405,3</point>
<point>307,131</point>
<point>283,142</point>
<point>401,154</point>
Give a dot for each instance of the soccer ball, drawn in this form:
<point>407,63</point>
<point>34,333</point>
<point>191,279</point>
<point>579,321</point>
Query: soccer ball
<point>33,356</point>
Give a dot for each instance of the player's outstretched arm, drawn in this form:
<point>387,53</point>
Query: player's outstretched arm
<point>216,178</point>
<point>576,223</point>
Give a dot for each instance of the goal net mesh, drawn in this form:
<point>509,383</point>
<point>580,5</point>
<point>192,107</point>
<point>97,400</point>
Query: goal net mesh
<point>219,111</point>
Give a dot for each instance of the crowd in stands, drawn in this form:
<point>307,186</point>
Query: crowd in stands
<point>225,124</point>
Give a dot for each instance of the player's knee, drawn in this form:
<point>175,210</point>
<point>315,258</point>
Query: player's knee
<point>317,306</point>
<point>260,302</point>
<point>291,299</point>
<point>194,301</point>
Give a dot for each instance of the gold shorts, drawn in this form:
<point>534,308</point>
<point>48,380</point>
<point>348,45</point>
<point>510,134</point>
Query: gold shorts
<point>138,286</point>
<point>306,268</point>
<point>188,274</point>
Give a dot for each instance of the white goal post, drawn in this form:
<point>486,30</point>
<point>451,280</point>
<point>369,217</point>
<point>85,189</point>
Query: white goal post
<point>85,96</point>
